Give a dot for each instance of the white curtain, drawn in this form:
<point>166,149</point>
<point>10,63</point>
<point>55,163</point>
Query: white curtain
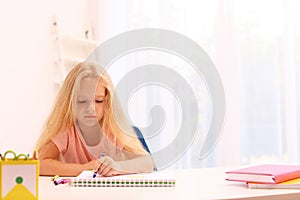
<point>256,48</point>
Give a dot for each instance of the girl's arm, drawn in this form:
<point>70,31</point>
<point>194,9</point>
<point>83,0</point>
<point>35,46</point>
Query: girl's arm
<point>141,163</point>
<point>134,164</point>
<point>50,166</point>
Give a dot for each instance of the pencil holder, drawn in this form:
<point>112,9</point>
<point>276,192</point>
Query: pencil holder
<point>18,176</point>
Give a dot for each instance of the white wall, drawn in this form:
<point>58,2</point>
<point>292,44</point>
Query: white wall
<point>27,65</point>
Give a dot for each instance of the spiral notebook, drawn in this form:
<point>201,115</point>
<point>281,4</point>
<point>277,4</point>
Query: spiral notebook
<point>155,179</point>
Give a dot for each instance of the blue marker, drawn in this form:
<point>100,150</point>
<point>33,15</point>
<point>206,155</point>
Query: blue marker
<point>96,172</point>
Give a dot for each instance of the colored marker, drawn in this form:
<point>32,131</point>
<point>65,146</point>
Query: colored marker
<point>54,177</point>
<point>62,181</point>
<point>34,156</point>
<point>96,172</point>
<point>66,180</point>
<point>57,180</point>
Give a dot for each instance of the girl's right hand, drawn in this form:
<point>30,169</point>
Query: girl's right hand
<point>105,166</point>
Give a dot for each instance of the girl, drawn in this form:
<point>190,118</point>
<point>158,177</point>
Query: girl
<point>87,122</point>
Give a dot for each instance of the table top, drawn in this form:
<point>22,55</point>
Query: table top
<point>200,183</point>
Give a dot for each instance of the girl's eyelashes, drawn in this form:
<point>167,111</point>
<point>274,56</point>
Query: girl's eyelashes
<point>81,101</point>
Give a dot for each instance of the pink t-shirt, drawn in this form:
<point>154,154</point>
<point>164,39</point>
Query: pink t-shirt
<point>73,148</point>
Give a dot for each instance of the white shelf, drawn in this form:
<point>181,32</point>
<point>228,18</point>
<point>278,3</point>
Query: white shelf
<point>70,41</point>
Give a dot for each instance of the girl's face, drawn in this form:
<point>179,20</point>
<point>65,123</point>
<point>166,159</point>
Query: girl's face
<point>90,102</point>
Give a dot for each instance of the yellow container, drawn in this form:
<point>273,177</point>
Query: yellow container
<point>18,177</point>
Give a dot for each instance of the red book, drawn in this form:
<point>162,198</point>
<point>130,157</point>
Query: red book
<point>264,173</point>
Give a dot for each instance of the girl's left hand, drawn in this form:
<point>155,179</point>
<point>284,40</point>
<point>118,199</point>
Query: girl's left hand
<point>108,167</point>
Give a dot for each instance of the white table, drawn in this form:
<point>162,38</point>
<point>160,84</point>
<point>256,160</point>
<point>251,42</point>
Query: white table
<point>203,183</point>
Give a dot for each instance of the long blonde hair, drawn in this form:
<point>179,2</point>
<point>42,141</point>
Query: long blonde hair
<point>114,122</point>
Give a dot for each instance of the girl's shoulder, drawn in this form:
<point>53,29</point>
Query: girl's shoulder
<point>63,138</point>
<point>66,132</point>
